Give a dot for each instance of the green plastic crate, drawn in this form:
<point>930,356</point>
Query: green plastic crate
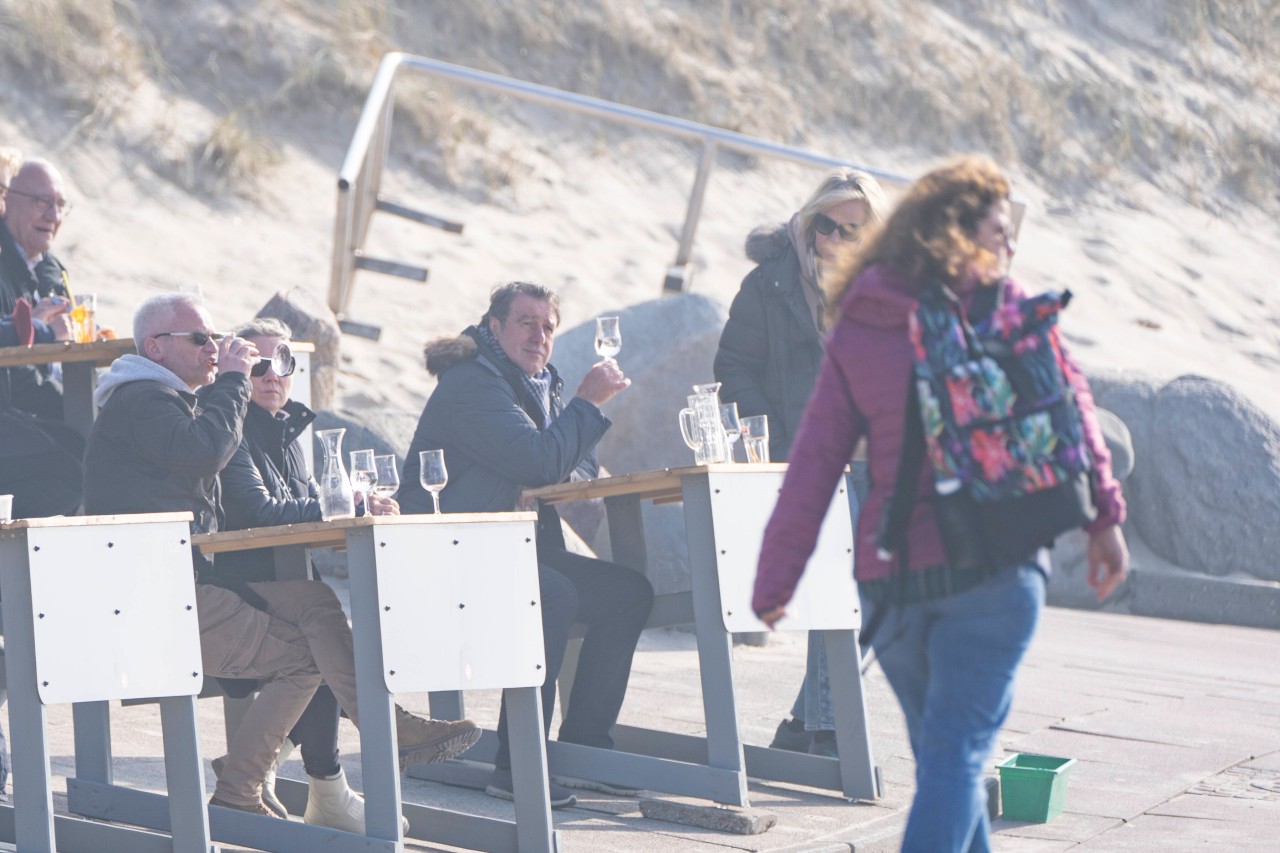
<point>1033,787</point>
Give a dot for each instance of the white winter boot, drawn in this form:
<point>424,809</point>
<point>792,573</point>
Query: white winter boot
<point>332,803</point>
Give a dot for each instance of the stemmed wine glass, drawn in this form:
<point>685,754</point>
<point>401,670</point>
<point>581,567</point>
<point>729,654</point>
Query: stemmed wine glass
<point>388,477</point>
<point>432,474</point>
<point>364,475</point>
<point>608,337</point>
<point>732,426</point>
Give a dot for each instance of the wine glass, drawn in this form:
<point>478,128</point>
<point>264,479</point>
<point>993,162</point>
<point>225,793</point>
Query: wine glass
<point>432,474</point>
<point>732,426</point>
<point>364,475</point>
<point>388,477</point>
<point>608,337</point>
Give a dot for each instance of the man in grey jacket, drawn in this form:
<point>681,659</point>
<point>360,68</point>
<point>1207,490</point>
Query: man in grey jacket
<point>498,414</point>
<point>157,447</point>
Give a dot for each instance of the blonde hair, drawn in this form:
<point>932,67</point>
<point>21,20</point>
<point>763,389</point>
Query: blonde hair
<point>10,160</point>
<point>930,234</point>
<point>841,185</point>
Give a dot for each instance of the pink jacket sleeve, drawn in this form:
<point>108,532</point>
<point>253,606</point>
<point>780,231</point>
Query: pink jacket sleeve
<point>829,431</point>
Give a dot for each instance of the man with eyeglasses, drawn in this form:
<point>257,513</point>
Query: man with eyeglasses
<point>39,456</point>
<point>157,446</point>
<point>34,206</point>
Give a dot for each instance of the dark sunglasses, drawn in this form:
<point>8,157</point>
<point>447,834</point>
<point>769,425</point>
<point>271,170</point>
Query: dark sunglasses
<point>824,225</point>
<point>282,363</point>
<point>197,338</point>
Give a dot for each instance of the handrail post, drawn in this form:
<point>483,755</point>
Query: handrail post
<point>678,275</point>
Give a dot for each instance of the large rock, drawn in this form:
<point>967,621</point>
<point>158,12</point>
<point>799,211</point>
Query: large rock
<point>311,320</point>
<point>382,430</point>
<point>668,346</point>
<point>1205,493</point>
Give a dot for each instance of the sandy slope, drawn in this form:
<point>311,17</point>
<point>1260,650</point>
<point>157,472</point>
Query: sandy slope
<point>1163,290</point>
<point>1164,287</point>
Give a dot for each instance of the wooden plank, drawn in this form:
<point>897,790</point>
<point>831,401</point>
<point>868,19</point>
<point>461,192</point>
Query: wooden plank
<point>87,520</point>
<point>661,486</point>
<point>97,352</point>
<point>100,353</point>
<point>327,534</point>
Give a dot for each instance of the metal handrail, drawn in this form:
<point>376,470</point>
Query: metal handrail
<point>360,178</point>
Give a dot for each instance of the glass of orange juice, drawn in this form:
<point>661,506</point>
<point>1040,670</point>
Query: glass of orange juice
<point>84,317</point>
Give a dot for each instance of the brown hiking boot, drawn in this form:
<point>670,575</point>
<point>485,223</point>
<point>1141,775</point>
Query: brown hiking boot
<point>424,741</point>
<point>257,808</point>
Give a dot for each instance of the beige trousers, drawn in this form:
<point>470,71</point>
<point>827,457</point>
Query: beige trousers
<point>302,639</point>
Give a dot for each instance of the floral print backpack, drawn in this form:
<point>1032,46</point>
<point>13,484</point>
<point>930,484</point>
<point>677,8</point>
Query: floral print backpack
<point>991,407</point>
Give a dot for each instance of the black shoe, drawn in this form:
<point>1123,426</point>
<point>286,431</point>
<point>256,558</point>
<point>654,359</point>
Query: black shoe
<point>791,736</point>
<point>500,786</point>
<point>824,743</point>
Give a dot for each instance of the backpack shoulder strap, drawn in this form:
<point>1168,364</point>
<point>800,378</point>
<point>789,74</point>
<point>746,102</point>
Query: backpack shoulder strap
<point>986,300</point>
<point>891,539</point>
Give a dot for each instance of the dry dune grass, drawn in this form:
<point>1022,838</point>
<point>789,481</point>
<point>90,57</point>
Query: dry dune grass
<point>1145,134</point>
<point>1032,82</point>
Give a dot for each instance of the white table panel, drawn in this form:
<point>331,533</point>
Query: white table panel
<point>131,630</point>
<point>825,599</point>
<point>445,629</point>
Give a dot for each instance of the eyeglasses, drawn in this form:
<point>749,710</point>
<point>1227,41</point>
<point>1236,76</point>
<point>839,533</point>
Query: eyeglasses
<point>282,364</point>
<point>47,202</point>
<point>197,338</point>
<point>825,225</point>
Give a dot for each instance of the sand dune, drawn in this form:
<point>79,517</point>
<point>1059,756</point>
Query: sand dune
<point>1171,277</point>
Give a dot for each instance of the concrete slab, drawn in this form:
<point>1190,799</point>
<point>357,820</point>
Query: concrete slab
<point>1150,708</point>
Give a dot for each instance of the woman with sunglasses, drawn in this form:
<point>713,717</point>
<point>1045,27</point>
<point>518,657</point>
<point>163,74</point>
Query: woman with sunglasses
<point>267,483</point>
<point>769,356</point>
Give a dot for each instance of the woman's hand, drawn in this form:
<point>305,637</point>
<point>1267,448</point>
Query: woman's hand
<point>383,506</point>
<point>1108,561</point>
<point>771,617</point>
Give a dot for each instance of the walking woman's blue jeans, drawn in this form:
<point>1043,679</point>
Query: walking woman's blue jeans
<point>951,662</point>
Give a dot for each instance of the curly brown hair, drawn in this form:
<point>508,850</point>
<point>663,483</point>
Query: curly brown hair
<point>929,236</point>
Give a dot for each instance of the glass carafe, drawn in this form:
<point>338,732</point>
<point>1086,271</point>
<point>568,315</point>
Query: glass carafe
<point>701,427</point>
<point>337,500</point>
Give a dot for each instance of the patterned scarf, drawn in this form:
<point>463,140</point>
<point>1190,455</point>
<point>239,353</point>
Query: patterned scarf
<point>539,387</point>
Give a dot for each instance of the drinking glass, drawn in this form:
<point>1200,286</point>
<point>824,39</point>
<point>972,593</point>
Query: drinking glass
<point>388,477</point>
<point>608,337</point>
<point>732,426</point>
<point>84,325</point>
<point>755,436</point>
<point>364,474</point>
<point>432,474</point>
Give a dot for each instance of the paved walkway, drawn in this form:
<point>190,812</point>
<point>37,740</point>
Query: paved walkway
<point>1175,727</point>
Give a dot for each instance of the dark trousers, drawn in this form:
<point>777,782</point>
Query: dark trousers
<point>40,466</point>
<point>613,602</point>
<point>316,734</point>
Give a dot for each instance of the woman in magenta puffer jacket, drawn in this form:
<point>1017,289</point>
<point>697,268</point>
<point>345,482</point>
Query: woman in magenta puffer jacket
<point>949,642</point>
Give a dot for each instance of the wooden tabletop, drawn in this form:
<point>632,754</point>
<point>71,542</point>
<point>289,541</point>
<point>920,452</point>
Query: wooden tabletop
<point>90,520</point>
<point>99,353</point>
<point>329,534</point>
<point>661,486</point>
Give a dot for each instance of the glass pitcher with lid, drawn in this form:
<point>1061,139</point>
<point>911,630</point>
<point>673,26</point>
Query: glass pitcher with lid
<point>701,427</point>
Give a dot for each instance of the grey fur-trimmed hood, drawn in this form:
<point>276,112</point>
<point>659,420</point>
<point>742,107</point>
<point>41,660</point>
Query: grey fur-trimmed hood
<point>767,242</point>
